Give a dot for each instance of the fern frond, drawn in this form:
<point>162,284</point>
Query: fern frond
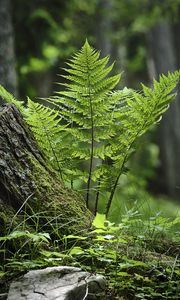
<point>49,133</point>
<point>85,103</point>
<point>9,98</point>
<point>143,109</point>
<point>140,112</point>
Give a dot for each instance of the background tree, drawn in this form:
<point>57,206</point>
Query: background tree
<point>8,76</point>
<point>163,58</point>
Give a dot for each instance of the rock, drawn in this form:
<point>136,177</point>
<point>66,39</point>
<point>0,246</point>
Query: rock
<point>60,283</point>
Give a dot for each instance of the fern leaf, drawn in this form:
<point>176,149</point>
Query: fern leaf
<point>140,112</point>
<point>9,98</point>
<point>85,104</point>
<point>45,124</point>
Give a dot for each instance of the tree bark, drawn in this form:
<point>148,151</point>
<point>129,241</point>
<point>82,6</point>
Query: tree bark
<point>28,184</point>
<point>163,59</point>
<point>7,56</point>
<point>104,27</point>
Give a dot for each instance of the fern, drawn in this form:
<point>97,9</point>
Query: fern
<point>86,105</point>
<point>90,123</point>
<point>9,98</point>
<point>45,124</point>
<point>109,122</point>
<point>140,112</point>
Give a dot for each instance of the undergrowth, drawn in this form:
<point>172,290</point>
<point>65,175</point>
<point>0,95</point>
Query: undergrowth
<point>139,258</point>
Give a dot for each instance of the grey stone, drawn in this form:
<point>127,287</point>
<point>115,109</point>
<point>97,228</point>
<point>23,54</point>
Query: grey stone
<point>57,283</point>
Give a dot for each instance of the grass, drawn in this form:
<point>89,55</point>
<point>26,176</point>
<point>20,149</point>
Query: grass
<point>138,254</point>
<point>131,194</point>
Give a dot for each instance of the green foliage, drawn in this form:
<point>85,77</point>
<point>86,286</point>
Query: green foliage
<point>9,98</point>
<point>139,258</point>
<point>19,234</point>
<point>87,106</point>
<point>109,122</point>
<point>45,124</point>
<point>19,250</point>
<point>131,194</point>
<point>90,124</point>
<point>140,112</point>
<point>132,256</point>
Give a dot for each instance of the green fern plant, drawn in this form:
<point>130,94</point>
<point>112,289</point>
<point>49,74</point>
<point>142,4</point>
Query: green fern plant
<point>87,106</point>
<point>105,124</point>
<point>49,133</point>
<point>9,98</point>
<point>90,123</point>
<point>140,112</point>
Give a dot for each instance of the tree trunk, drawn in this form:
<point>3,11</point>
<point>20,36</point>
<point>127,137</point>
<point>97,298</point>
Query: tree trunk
<point>28,184</point>
<point>104,26</point>
<point>7,57</point>
<point>163,59</point>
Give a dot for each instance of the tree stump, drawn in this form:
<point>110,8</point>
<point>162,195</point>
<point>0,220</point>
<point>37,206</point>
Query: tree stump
<point>28,184</point>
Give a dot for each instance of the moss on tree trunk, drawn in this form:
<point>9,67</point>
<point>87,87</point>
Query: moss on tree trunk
<point>28,184</point>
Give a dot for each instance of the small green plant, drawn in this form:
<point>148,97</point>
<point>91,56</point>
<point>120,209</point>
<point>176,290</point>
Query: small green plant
<point>27,238</point>
<point>89,124</point>
<point>133,256</point>
<point>138,258</point>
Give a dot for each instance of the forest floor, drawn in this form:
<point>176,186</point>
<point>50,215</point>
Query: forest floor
<point>140,259</point>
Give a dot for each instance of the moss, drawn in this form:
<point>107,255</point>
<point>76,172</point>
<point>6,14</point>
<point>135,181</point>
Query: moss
<point>2,223</point>
<point>6,217</point>
<point>61,210</point>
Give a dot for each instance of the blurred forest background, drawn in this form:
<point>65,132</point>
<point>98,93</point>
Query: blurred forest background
<point>142,36</point>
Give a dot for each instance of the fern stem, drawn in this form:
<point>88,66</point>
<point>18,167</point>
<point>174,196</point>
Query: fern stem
<point>59,169</point>
<point>97,196</point>
<point>108,206</point>
<point>112,195</point>
<point>52,149</point>
<point>90,164</point>
<point>92,142</point>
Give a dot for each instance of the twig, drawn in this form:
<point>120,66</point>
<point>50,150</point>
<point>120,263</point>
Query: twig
<point>173,267</point>
<point>87,289</point>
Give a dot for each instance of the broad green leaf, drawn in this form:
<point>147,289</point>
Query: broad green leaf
<point>77,237</point>
<point>99,220</point>
<point>123,274</point>
<point>76,251</point>
<point>53,254</point>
